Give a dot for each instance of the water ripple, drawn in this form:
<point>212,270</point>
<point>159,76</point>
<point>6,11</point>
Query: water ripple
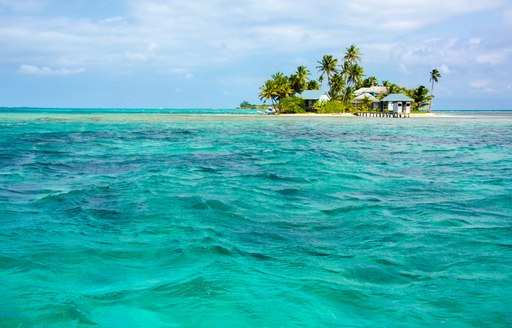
<point>255,221</point>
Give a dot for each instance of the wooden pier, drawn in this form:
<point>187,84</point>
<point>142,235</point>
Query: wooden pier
<point>382,114</point>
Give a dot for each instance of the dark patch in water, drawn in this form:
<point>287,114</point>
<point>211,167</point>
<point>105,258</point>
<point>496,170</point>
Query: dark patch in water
<point>208,169</point>
<point>289,191</point>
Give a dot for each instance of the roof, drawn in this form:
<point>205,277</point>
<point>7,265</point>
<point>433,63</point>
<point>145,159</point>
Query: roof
<point>375,89</point>
<point>366,95</point>
<point>312,94</point>
<point>397,97</point>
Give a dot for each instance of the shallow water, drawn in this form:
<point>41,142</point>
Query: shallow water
<point>136,220</point>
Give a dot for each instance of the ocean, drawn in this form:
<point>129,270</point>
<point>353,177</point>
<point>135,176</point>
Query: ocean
<point>204,218</point>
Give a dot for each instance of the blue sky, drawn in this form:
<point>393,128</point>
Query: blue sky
<point>216,53</point>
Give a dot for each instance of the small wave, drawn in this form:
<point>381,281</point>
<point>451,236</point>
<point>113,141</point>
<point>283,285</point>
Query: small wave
<point>200,203</point>
<point>380,275</point>
<point>350,208</point>
<point>351,176</point>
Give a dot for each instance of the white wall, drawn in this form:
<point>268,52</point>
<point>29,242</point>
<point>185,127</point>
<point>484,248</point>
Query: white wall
<point>408,107</point>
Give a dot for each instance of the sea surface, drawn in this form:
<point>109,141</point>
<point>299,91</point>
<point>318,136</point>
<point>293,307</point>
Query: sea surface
<point>155,218</point>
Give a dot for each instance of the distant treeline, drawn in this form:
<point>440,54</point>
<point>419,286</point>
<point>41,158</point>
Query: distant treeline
<point>247,105</point>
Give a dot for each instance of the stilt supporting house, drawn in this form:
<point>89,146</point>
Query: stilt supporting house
<point>383,114</point>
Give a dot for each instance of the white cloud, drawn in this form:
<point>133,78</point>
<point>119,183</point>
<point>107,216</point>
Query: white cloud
<point>189,76</point>
<point>179,33</point>
<point>182,73</point>
<point>403,15</point>
<point>507,16</point>
<point>452,53</point>
<point>113,21</point>
<point>475,41</point>
<point>46,71</point>
<point>146,53</point>
<point>253,38</point>
<point>153,46</point>
<point>26,6</point>
<point>494,57</point>
<point>482,85</point>
<point>445,69</point>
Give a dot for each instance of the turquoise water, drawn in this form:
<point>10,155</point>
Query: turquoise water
<point>135,220</point>
<point>185,111</point>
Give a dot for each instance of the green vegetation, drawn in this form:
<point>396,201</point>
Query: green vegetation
<point>366,104</point>
<point>370,82</point>
<point>277,88</point>
<point>333,107</point>
<point>313,85</point>
<point>292,105</point>
<point>434,78</point>
<point>246,105</point>
<point>421,97</point>
<point>328,66</point>
<point>298,81</point>
<point>343,78</point>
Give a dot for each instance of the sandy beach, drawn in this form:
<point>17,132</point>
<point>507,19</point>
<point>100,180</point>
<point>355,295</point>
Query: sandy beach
<point>423,115</point>
<point>44,118</point>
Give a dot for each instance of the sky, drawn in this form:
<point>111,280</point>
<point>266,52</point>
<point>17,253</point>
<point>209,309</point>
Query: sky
<point>217,53</point>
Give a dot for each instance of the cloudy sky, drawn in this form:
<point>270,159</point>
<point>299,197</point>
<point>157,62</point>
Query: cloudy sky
<point>216,53</point>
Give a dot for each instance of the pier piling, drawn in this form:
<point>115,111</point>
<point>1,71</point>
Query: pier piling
<point>383,114</point>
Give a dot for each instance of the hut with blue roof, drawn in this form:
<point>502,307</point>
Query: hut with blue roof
<point>397,103</point>
<point>311,97</point>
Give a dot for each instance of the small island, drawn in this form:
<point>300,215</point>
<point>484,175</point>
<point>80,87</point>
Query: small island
<point>247,105</point>
<point>348,91</point>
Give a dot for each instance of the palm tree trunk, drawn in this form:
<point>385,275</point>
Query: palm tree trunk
<point>431,99</point>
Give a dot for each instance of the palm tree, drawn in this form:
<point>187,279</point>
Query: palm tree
<point>370,82</point>
<point>421,97</point>
<point>336,86</point>
<point>301,78</point>
<point>327,66</point>
<point>393,88</point>
<point>294,83</point>
<point>345,69</point>
<point>275,89</point>
<point>268,92</point>
<point>352,54</point>
<point>347,94</point>
<point>366,104</point>
<point>354,74</point>
<point>282,86</point>
<point>313,85</point>
<point>434,77</point>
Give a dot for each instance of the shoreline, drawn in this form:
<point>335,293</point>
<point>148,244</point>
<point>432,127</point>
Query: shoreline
<point>161,117</point>
<point>414,115</point>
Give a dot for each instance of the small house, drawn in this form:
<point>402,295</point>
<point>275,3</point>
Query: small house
<point>311,97</point>
<point>374,91</point>
<point>397,103</point>
<point>366,98</point>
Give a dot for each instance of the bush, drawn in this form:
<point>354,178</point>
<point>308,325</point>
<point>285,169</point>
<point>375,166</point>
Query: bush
<point>333,106</point>
<point>350,107</point>
<point>292,105</point>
